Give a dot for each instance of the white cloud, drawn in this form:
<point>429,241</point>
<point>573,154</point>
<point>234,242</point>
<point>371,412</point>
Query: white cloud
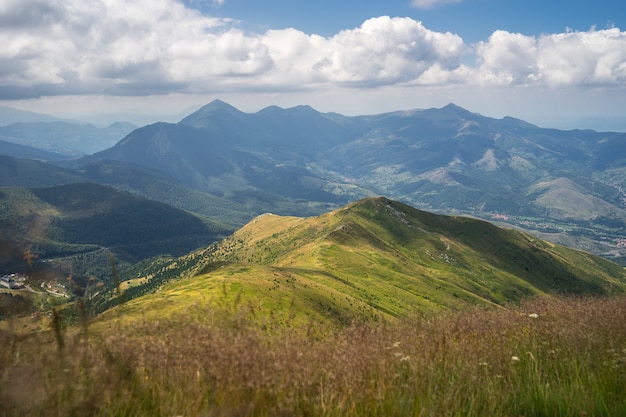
<point>592,58</point>
<point>382,51</point>
<point>430,4</point>
<point>100,45</point>
<point>583,58</point>
<point>122,47</point>
<point>144,47</point>
<point>507,58</point>
<point>385,50</point>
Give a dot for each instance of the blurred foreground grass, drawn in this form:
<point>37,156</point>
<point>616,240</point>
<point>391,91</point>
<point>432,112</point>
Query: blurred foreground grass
<point>546,357</point>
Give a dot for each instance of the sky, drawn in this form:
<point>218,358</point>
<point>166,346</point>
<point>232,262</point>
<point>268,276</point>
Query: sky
<point>555,63</point>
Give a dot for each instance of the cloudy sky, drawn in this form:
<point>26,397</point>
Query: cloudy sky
<point>557,63</point>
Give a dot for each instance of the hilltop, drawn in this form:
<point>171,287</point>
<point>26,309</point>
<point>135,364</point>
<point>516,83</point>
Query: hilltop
<point>369,259</point>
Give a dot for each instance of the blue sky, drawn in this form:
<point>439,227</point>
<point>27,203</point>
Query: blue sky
<point>474,20</point>
<point>552,62</point>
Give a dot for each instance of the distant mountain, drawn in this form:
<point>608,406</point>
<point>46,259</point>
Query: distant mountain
<point>570,184</point>
<point>374,257</point>
<point>103,120</point>
<point>65,138</point>
<point>27,152</point>
<point>9,115</point>
<point>451,159</point>
<point>158,186</point>
<point>234,154</point>
<point>139,180</point>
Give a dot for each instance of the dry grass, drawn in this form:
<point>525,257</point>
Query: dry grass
<point>569,360</point>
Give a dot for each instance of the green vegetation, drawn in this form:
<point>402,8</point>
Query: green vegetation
<point>81,224</point>
<point>546,357</point>
<point>374,309</point>
<point>374,258</point>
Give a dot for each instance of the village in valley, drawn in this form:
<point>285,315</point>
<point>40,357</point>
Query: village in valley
<point>17,281</point>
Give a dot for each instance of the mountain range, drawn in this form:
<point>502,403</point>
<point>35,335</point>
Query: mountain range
<point>64,138</point>
<point>192,257</point>
<point>567,185</point>
<point>228,166</point>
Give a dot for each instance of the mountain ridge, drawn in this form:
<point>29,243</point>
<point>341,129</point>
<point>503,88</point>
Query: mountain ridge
<point>446,160</point>
<point>372,258</point>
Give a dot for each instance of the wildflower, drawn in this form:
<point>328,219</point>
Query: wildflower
<point>515,358</point>
<point>483,364</point>
<point>533,315</point>
<point>405,358</point>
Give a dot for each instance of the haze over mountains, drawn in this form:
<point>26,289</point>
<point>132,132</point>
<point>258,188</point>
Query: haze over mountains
<point>567,186</point>
<point>70,137</point>
<point>447,160</point>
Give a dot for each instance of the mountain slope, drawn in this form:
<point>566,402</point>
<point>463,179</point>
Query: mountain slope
<point>18,172</point>
<point>229,153</point>
<point>372,258</point>
<point>139,180</point>
<point>67,138</point>
<point>447,160</point>
<point>75,221</point>
<point>9,115</point>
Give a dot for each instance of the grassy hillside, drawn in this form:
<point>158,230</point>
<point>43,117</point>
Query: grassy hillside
<point>548,357</point>
<point>372,259</point>
<point>81,225</point>
<point>375,309</point>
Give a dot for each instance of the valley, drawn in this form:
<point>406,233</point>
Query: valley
<point>168,189</point>
<point>237,263</point>
<point>226,208</point>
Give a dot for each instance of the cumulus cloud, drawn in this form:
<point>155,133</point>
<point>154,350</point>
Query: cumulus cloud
<point>385,50</point>
<point>146,45</point>
<point>592,58</point>
<point>382,51</point>
<point>141,47</point>
<point>99,46</point>
<point>507,58</point>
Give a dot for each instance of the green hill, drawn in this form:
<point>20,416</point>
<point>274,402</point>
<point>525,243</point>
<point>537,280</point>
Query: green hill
<point>80,225</point>
<point>373,258</point>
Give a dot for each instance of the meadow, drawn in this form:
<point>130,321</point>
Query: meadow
<point>548,356</point>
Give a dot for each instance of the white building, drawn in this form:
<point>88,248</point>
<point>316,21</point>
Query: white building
<point>11,282</point>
